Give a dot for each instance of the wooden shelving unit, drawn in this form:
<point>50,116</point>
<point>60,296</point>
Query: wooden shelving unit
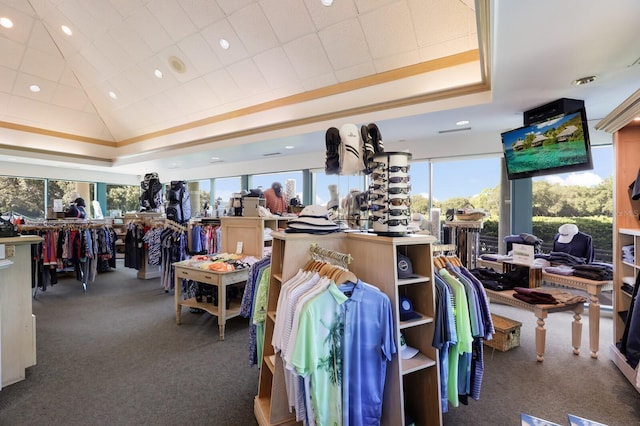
<point>249,231</point>
<point>626,227</point>
<point>411,385</point>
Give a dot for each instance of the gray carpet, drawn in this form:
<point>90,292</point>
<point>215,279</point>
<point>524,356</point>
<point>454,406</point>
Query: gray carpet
<point>114,356</point>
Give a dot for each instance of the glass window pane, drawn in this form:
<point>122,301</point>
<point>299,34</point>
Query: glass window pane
<point>224,189</point>
<point>122,199</point>
<point>23,197</point>
<point>291,183</point>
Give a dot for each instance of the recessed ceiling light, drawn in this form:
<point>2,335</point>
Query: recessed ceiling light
<point>637,118</point>
<point>113,95</point>
<point>66,30</point>
<point>584,80</point>
<point>462,123</point>
<point>224,43</point>
<point>289,147</point>
<point>157,73</point>
<point>327,2</point>
<point>34,88</point>
<point>6,22</point>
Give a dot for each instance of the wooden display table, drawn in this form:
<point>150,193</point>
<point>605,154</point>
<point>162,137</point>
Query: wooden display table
<point>219,279</point>
<point>541,312</point>
<point>593,288</point>
<point>537,277</point>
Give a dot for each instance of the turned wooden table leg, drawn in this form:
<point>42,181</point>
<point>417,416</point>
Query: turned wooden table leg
<point>594,325</point>
<point>576,329</point>
<point>541,335</point>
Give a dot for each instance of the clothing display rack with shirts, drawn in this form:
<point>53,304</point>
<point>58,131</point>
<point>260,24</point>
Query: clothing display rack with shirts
<point>411,386</point>
<point>78,242</point>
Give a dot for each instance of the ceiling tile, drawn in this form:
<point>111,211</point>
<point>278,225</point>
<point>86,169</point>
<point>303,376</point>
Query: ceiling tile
<point>396,61</point>
<point>22,25</point>
<point>11,53</point>
<point>130,41</point>
<point>289,18</point>
<point>172,17</point>
<point>149,29</point>
<point>222,30</point>
<point>365,6</point>
<point>7,79</point>
<point>75,15</point>
<point>248,77</point>
<point>253,29</point>
<point>276,69</point>
<point>223,86</point>
<point>126,8</point>
<point>388,30</point>
<point>356,71</point>
<point>437,21</point>
<point>202,12</point>
<point>41,40</point>
<point>230,6</point>
<point>69,97</point>
<point>200,54</point>
<point>38,63</point>
<point>345,44</point>
<point>307,56</point>
<point>324,16</point>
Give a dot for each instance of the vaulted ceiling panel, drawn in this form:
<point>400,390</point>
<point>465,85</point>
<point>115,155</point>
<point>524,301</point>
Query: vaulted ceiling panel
<point>253,29</point>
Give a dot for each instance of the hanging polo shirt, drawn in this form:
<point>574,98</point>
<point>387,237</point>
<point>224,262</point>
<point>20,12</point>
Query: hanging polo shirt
<point>368,346</point>
<point>318,354</point>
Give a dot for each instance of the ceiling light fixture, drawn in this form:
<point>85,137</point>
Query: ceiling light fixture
<point>157,73</point>
<point>224,43</point>
<point>289,147</point>
<point>34,88</point>
<point>113,95</point>
<point>327,2</point>
<point>584,80</point>
<point>6,22</point>
<point>66,30</point>
<point>462,123</point>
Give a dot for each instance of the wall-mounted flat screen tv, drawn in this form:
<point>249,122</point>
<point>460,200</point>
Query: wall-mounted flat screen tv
<point>556,145</point>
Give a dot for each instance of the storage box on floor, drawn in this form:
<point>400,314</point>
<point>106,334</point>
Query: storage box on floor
<point>507,335</point>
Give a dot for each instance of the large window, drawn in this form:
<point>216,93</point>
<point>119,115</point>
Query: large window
<point>224,189</point>
<point>22,197</point>
<point>122,199</point>
<point>291,183</point>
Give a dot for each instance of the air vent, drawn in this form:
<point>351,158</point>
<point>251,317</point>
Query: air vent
<point>270,154</point>
<point>177,65</point>
<point>461,129</point>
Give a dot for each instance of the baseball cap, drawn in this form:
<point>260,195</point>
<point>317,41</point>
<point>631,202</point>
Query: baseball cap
<point>406,352</point>
<point>567,231</point>
<point>405,268</point>
<point>406,310</point>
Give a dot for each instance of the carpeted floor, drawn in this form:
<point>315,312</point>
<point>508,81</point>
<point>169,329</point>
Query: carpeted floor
<point>115,356</point>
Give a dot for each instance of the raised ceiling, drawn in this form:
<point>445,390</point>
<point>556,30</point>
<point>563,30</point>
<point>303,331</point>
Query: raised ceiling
<point>293,69</point>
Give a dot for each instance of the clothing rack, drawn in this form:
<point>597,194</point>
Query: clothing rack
<point>343,258</point>
<point>66,224</point>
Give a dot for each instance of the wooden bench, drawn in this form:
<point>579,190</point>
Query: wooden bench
<point>541,312</point>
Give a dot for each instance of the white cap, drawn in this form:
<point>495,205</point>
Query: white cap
<point>406,352</point>
<point>567,231</point>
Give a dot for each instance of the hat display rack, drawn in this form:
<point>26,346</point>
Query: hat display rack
<point>390,193</point>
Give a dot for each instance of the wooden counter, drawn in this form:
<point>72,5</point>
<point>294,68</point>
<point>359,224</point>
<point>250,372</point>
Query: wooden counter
<point>17,322</point>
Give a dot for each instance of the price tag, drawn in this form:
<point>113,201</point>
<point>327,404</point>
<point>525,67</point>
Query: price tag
<point>239,247</point>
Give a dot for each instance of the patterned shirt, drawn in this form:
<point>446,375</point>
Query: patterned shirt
<point>318,353</point>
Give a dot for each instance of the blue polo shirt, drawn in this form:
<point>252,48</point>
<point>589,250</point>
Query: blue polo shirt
<point>368,346</point>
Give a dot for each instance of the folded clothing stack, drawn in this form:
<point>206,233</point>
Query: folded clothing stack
<point>533,296</point>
